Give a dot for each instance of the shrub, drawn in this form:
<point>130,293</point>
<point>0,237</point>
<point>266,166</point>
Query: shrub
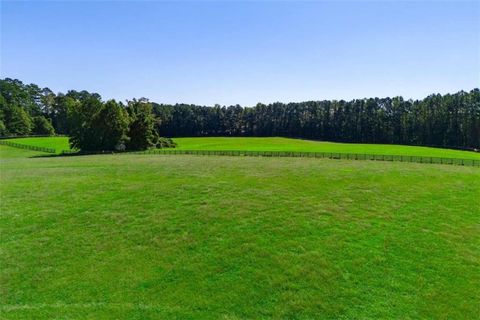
<point>166,143</point>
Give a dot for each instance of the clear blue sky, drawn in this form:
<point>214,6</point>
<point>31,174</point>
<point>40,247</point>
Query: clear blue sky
<point>243,52</point>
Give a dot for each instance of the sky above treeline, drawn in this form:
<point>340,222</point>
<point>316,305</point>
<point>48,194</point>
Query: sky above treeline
<point>208,52</point>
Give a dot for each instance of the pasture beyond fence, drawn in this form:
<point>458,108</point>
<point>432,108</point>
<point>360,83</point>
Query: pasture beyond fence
<point>27,146</point>
<point>294,154</point>
<point>326,155</point>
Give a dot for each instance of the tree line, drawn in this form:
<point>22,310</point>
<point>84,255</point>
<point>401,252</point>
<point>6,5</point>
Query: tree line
<point>451,120</point>
<point>91,123</point>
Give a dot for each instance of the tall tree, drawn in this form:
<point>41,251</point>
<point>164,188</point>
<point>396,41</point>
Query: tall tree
<point>141,131</point>
<point>42,126</point>
<point>98,127</point>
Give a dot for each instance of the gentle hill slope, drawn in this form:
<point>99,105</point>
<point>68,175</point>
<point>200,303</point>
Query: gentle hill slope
<point>57,143</point>
<point>10,153</point>
<point>286,144</point>
<point>278,144</point>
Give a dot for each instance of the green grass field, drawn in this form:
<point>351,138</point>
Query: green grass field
<point>192,237</point>
<point>286,144</point>
<point>279,144</point>
<point>57,143</point>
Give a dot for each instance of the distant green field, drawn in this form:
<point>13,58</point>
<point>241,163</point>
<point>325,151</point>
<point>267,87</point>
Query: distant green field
<point>279,144</point>
<point>285,144</point>
<point>57,143</point>
<point>192,237</point>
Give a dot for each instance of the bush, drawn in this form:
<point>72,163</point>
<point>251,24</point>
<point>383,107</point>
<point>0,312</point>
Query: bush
<point>165,143</point>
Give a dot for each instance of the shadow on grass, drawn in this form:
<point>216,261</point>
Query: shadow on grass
<point>322,155</point>
<point>73,154</point>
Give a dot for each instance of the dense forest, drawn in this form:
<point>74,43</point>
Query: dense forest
<point>451,120</point>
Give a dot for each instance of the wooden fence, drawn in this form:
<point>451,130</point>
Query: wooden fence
<point>26,146</point>
<point>296,154</point>
<point>327,155</point>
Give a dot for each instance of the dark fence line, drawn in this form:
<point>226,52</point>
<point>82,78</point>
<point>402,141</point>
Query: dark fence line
<point>26,146</point>
<point>32,136</point>
<point>326,155</point>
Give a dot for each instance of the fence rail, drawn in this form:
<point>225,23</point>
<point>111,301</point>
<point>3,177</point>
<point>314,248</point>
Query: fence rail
<point>33,136</point>
<point>295,154</point>
<point>326,155</point>
<point>27,146</point>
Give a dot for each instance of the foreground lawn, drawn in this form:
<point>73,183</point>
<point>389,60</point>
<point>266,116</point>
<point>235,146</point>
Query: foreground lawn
<point>139,236</point>
<point>286,144</point>
<point>8,153</point>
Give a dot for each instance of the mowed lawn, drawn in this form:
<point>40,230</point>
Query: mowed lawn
<point>287,144</point>
<point>57,143</point>
<point>192,237</point>
<point>279,144</point>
